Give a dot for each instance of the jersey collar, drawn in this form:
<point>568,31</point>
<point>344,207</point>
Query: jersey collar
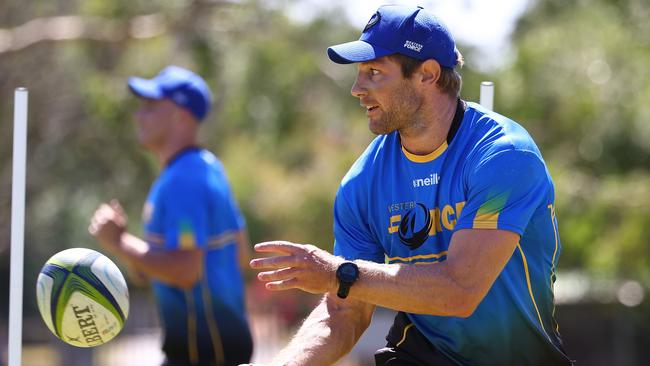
<point>453,129</point>
<point>180,153</point>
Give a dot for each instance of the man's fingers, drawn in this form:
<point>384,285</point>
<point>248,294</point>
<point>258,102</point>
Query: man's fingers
<point>96,223</point>
<point>107,209</point>
<point>282,285</point>
<point>109,212</point>
<point>273,262</point>
<point>115,205</point>
<point>284,247</point>
<point>280,274</point>
<point>96,219</point>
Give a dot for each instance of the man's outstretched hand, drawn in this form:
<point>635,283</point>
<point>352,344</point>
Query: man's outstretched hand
<point>302,266</point>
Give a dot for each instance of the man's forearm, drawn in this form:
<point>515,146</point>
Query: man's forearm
<point>178,268</point>
<point>453,287</point>
<point>328,333</point>
<point>418,289</point>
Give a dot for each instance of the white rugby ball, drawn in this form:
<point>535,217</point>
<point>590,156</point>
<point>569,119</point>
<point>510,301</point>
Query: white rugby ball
<point>82,297</point>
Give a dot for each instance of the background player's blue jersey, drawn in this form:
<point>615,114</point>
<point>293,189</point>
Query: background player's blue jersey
<point>191,206</point>
<point>401,208</point>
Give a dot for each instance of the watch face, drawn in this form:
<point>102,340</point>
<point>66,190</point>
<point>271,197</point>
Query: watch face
<point>348,272</point>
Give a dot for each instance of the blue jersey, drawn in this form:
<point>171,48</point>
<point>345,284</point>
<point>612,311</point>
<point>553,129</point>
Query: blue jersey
<point>191,206</point>
<point>396,207</point>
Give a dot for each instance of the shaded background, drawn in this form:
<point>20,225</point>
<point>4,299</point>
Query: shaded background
<point>573,72</point>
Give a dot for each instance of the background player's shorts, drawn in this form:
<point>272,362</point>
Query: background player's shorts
<point>234,337</point>
<point>408,348</point>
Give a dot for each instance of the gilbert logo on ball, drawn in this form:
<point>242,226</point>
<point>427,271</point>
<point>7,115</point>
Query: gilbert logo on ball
<point>82,297</point>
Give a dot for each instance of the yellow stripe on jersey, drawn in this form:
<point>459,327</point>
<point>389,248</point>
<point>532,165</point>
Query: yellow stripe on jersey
<point>192,344</point>
<point>486,221</point>
<point>221,240</point>
<point>215,336</point>
<point>553,222</point>
<point>416,257</point>
<point>530,289</point>
<point>487,216</point>
<point>406,329</point>
<point>428,157</point>
<point>187,239</point>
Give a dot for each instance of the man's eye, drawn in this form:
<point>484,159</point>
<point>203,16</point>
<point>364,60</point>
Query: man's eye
<point>374,72</point>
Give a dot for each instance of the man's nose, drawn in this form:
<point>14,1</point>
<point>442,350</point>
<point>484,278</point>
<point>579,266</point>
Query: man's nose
<point>358,90</point>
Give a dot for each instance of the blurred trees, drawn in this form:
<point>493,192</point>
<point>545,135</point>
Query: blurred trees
<point>284,123</point>
<point>286,127</point>
<point>580,83</point>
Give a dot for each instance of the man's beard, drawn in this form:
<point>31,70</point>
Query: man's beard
<point>402,112</point>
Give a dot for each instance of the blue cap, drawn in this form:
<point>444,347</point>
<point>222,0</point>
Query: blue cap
<point>182,86</point>
<point>411,31</point>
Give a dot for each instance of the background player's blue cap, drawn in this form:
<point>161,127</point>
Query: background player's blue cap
<point>180,85</point>
<point>411,31</point>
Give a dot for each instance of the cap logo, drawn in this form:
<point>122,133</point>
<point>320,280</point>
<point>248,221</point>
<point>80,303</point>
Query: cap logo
<point>179,98</point>
<point>413,46</point>
<point>373,20</point>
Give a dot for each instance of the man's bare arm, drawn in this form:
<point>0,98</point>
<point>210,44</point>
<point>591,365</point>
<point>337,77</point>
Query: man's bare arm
<point>180,268</point>
<point>453,287</point>
<point>328,333</point>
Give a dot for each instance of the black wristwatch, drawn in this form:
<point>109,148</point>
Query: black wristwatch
<point>347,273</point>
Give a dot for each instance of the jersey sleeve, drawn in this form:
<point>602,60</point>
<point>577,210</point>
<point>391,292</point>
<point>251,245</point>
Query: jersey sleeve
<point>185,215</point>
<point>504,190</point>
<point>353,238</point>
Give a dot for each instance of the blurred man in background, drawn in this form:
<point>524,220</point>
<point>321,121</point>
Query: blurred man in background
<point>457,189</point>
<point>195,238</point>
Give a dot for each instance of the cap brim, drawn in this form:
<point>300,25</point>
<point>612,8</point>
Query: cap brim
<point>355,51</point>
<point>145,88</point>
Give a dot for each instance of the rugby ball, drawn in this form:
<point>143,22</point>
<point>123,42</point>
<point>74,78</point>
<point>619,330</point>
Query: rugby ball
<point>82,297</point>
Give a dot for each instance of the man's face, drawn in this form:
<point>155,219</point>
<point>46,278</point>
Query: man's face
<point>391,101</point>
<point>154,122</point>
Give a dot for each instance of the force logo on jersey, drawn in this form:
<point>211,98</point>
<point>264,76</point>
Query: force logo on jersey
<point>419,222</point>
<point>408,234</point>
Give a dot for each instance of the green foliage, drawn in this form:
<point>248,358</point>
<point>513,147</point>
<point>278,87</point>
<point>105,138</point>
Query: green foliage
<point>580,85</point>
<point>287,129</point>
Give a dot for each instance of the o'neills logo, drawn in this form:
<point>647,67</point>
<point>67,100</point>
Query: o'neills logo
<point>413,46</point>
<point>431,180</point>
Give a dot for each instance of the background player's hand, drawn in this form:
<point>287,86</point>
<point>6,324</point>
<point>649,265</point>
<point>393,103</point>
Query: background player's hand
<point>108,224</point>
<point>301,266</point>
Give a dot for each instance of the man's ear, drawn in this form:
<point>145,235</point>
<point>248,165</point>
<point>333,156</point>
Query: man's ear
<point>430,71</point>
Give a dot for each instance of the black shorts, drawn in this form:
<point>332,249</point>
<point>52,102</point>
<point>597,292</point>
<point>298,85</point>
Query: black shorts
<point>408,347</point>
<point>233,344</point>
